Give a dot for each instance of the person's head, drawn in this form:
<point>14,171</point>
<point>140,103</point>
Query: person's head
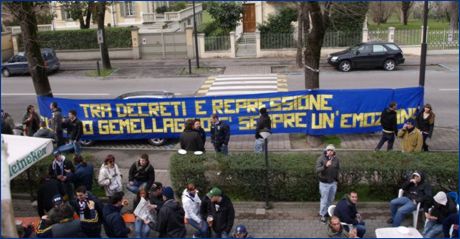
<point>57,200</point>
<point>441,198</point>
<point>353,197</point>
<point>393,105</point>
<point>30,109</point>
<point>427,108</point>
<point>330,150</point>
<point>42,124</point>
<point>416,176</point>
<point>168,193</point>
<point>156,189</point>
<point>72,114</point>
<point>142,193</point>
<point>191,188</point>
<point>109,161</point>
<point>197,124</point>
<point>144,160</point>
<point>215,194</point>
<point>410,123</point>
<point>117,199</point>
<point>53,105</point>
<point>240,232</point>
<point>58,156</point>
<point>81,194</point>
<point>263,111</point>
<point>66,211</point>
<point>77,159</point>
<point>334,224</point>
<point>214,118</point>
<point>189,124</point>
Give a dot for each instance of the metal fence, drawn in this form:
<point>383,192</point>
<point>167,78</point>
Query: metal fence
<point>378,35</point>
<point>216,43</point>
<point>442,39</point>
<point>277,40</point>
<point>340,39</point>
<point>408,37</point>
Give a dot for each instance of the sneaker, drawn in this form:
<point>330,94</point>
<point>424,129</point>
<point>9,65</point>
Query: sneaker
<point>390,221</point>
<point>323,219</point>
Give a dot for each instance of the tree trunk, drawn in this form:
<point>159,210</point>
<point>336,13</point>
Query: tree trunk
<point>100,26</point>
<point>405,7</point>
<point>88,14</point>
<point>300,34</point>
<point>453,15</point>
<point>23,11</point>
<point>82,22</point>
<point>314,43</point>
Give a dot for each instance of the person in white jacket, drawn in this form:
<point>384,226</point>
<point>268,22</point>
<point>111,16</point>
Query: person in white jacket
<point>191,203</point>
<point>110,176</point>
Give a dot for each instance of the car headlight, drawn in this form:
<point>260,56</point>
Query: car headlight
<point>334,58</point>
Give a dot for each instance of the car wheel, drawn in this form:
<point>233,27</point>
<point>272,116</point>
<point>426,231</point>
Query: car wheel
<point>86,142</point>
<point>6,73</point>
<point>157,141</point>
<point>345,66</point>
<point>389,65</point>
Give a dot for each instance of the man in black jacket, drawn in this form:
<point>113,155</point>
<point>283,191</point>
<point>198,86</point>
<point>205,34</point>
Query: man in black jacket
<point>171,217</point>
<point>327,167</point>
<point>388,120</point>
<point>264,124</point>
<point>443,206</point>
<point>81,206</point>
<point>49,189</point>
<point>114,225</point>
<point>62,169</point>
<point>222,214</point>
<point>75,131</point>
<point>141,174</point>
<point>190,139</point>
<point>56,124</point>
<point>415,190</point>
<point>220,134</point>
<point>346,211</point>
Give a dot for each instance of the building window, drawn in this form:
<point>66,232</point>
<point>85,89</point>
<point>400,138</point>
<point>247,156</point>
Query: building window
<point>127,9</point>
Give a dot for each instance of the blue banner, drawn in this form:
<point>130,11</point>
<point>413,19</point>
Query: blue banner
<point>314,112</point>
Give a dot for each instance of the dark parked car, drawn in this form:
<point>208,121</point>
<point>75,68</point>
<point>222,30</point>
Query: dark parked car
<point>17,64</point>
<point>368,55</point>
<point>142,95</point>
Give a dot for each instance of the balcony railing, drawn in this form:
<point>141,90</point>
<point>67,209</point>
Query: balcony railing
<point>172,16</point>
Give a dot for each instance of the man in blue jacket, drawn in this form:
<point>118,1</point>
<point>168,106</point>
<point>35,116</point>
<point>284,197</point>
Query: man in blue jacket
<point>114,225</point>
<point>346,211</point>
<point>220,134</point>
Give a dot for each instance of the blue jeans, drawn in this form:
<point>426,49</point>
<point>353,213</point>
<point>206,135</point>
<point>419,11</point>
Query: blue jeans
<point>201,227</point>
<point>400,207</point>
<point>136,186</point>
<point>360,229</point>
<point>221,148</point>
<point>142,230</point>
<point>259,146</point>
<point>386,137</point>
<point>432,229</point>
<point>327,191</point>
<point>448,222</point>
<point>74,146</point>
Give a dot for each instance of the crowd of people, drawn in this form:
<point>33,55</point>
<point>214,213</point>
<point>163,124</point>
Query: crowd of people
<point>68,208</point>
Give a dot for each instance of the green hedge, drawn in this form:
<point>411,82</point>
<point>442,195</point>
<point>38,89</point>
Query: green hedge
<point>292,175</point>
<point>116,37</point>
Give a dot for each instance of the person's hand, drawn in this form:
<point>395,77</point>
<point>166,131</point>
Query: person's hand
<point>329,163</point>
<point>91,205</point>
<point>45,217</point>
<point>131,183</point>
<point>67,170</point>
<point>185,220</point>
<point>125,202</point>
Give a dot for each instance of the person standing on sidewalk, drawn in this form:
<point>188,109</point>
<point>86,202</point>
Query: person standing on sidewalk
<point>388,120</point>
<point>190,139</point>
<point>411,138</point>
<point>30,121</point>
<point>327,168</point>
<point>141,174</point>
<point>197,127</point>
<point>425,123</point>
<point>220,134</point>
<point>56,124</point>
<point>264,124</point>
<point>75,130</point>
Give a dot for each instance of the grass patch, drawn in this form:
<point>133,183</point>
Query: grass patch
<point>411,24</point>
<point>104,73</point>
<point>331,139</point>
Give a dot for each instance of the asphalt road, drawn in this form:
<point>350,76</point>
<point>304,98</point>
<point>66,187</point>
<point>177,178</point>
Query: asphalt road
<point>442,82</point>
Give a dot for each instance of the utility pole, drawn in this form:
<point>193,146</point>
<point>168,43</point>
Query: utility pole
<point>196,37</point>
<point>423,48</point>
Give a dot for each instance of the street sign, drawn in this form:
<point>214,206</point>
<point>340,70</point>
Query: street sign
<point>100,38</point>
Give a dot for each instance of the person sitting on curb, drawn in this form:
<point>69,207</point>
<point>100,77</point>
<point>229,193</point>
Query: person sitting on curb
<point>222,214</point>
<point>191,203</point>
<point>141,174</point>
<point>171,217</point>
<point>411,138</point>
<point>335,229</point>
<point>114,225</point>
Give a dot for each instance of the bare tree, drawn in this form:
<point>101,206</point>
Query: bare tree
<point>380,11</point>
<point>302,28</point>
<point>25,14</point>
<point>319,20</point>
<point>453,7</point>
<point>405,7</point>
<point>100,7</point>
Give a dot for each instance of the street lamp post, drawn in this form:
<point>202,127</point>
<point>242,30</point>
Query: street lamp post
<point>196,37</point>
<point>423,48</point>
<point>265,136</point>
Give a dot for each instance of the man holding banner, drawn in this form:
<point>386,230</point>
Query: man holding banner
<point>220,134</point>
<point>388,120</point>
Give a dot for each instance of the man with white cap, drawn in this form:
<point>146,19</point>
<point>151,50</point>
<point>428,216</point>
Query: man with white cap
<point>327,167</point>
<point>415,190</point>
<point>443,206</point>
